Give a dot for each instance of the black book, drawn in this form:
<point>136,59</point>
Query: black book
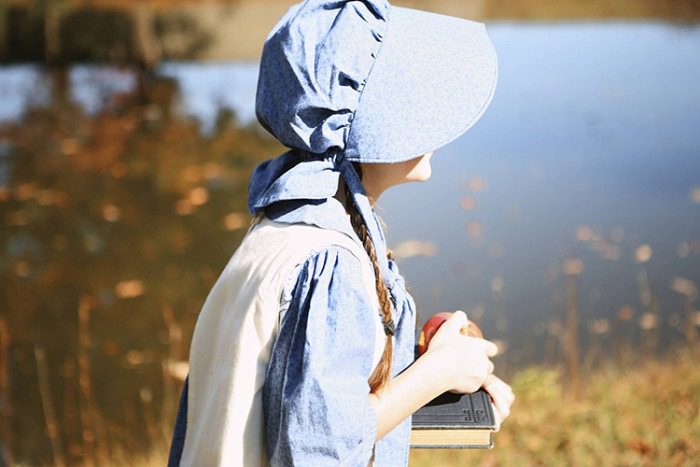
<point>454,421</point>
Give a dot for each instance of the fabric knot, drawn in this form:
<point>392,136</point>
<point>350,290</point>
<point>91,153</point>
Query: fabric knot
<point>295,175</point>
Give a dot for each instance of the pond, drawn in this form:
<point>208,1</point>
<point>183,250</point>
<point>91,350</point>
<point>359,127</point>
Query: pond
<point>587,161</point>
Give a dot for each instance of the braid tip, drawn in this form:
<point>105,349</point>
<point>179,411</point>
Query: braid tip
<point>389,328</point>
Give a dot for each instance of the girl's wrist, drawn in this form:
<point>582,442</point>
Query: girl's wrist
<point>439,369</point>
<point>407,392</point>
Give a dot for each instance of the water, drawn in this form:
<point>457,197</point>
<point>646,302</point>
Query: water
<point>593,124</point>
<point>590,147</point>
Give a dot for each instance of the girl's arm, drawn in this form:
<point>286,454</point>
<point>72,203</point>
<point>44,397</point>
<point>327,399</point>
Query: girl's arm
<point>315,405</point>
<point>453,362</point>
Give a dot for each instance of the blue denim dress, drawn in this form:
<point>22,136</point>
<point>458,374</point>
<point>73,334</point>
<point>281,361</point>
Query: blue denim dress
<point>431,78</point>
<point>315,403</point>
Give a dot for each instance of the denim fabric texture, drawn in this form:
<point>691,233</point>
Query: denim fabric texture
<point>364,81</point>
<point>180,430</point>
<point>315,396</point>
<point>342,82</point>
<point>212,398</point>
<point>315,403</point>
<point>380,82</point>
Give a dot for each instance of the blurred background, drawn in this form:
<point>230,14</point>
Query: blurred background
<point>566,222</point>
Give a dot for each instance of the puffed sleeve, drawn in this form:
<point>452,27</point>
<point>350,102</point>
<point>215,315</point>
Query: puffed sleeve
<point>315,400</point>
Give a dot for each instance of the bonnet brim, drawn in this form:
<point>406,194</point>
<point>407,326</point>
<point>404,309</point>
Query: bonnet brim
<point>433,78</point>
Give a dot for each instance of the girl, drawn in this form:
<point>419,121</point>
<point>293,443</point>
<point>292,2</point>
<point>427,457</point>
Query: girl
<point>303,353</point>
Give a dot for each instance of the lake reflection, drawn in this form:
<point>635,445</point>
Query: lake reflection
<point>590,148</point>
<point>593,126</point>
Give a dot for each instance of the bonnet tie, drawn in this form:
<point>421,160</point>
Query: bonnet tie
<point>298,175</point>
<point>338,85</point>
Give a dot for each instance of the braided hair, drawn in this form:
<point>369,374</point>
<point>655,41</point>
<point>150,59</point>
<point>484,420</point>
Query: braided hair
<point>381,374</point>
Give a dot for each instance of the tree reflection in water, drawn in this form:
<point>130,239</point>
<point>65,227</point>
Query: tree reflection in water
<point>116,226</point>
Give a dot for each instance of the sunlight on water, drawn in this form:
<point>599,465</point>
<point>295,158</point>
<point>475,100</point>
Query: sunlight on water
<point>572,207</point>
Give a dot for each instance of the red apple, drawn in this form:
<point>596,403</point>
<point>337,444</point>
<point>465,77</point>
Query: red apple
<point>433,324</point>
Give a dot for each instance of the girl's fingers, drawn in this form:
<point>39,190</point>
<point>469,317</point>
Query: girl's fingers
<point>498,420</point>
<point>498,384</point>
<point>500,402</point>
<point>501,396</point>
<point>491,348</point>
<point>503,406</point>
<point>455,322</point>
<point>498,416</point>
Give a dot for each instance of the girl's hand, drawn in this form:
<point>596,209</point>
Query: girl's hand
<point>463,361</point>
<point>502,397</point>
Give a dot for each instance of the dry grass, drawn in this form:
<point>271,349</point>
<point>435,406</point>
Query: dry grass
<point>644,414</point>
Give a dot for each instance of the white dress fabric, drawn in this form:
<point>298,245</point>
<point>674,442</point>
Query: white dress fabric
<point>234,335</point>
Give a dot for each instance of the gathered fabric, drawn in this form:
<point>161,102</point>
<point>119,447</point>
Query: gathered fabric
<point>314,66</point>
<point>313,69</point>
<point>343,81</point>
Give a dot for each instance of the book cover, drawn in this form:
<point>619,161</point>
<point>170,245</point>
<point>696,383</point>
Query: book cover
<point>454,421</point>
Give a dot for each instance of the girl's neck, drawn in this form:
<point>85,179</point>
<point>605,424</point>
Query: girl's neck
<point>340,196</point>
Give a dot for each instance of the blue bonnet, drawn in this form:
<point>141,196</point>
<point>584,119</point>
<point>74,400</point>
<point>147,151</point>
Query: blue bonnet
<point>363,81</point>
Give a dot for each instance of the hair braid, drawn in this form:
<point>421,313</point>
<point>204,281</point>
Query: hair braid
<point>382,372</point>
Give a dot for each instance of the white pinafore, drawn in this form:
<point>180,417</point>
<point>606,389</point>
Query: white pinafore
<point>234,334</point>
